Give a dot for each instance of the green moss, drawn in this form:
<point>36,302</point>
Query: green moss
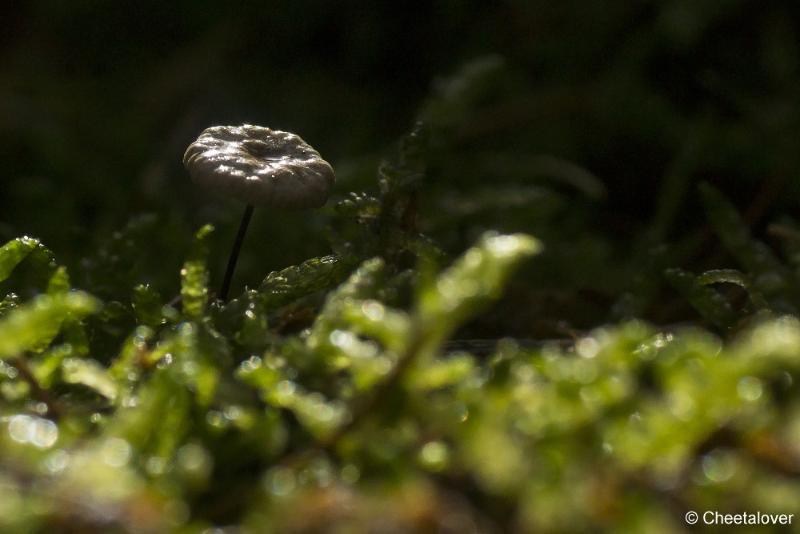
<point>329,396</point>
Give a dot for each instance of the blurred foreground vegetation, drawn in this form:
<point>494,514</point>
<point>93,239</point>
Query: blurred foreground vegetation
<point>558,306</point>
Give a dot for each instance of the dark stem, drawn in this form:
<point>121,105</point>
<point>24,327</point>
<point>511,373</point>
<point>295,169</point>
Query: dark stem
<point>234,257</point>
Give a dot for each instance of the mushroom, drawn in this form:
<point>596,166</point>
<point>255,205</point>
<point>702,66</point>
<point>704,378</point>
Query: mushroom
<point>258,166</point>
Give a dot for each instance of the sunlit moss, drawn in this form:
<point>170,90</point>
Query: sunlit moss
<point>330,399</point>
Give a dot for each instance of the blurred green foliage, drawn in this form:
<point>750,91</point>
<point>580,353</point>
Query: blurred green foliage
<point>412,359</point>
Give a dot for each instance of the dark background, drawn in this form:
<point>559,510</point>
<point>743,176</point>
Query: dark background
<point>98,101</point>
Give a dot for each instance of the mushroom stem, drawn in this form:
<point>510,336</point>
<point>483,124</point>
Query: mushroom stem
<point>234,256</point>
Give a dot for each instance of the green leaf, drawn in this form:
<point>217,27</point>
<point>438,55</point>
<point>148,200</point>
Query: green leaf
<point>13,252</point>
<point>359,206</point>
<point>704,299</point>
<point>147,305</point>
<point>46,367</point>
<point>59,282</point>
<point>194,276</point>
<point>724,276</point>
<point>732,276</point>
<point>318,415</point>
<point>91,374</point>
<point>402,173</point>
<point>9,302</point>
<point>32,326</point>
<point>126,367</point>
<point>195,354</point>
<point>769,275</point>
<point>292,283</point>
<point>442,373</point>
<point>157,422</point>
<point>73,329</point>
<point>474,280</point>
<point>361,284</point>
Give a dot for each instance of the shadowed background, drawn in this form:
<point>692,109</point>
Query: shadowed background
<point>636,101</point>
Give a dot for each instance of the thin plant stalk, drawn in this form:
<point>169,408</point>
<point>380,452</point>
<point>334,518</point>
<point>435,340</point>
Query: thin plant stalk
<point>234,255</point>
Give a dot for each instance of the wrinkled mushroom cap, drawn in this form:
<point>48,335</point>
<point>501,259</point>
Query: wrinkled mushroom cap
<point>260,166</point>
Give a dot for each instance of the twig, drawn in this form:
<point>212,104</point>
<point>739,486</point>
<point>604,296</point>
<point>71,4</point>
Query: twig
<point>38,392</point>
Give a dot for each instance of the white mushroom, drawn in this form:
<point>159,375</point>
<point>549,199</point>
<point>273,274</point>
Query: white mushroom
<point>258,166</point>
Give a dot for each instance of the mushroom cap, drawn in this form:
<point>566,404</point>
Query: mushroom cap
<point>260,166</point>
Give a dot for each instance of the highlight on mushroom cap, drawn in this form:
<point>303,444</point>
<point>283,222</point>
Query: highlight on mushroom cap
<point>260,166</point>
